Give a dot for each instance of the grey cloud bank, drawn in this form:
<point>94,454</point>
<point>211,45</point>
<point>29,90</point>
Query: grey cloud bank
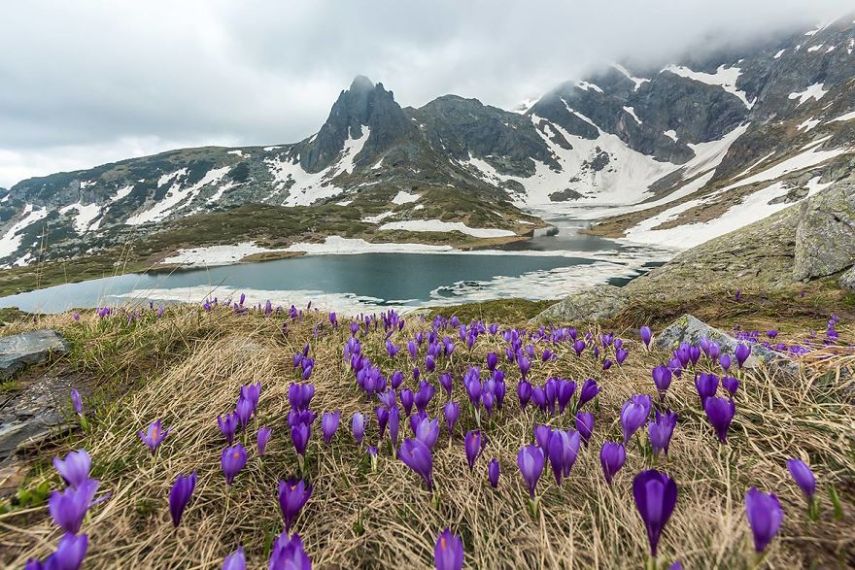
<point>86,83</point>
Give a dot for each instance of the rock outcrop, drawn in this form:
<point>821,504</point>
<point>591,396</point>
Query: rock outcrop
<point>594,304</point>
<point>25,349</point>
<point>825,237</point>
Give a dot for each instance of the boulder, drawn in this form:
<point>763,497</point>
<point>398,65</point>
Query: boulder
<point>691,329</point>
<point>847,280</point>
<point>594,304</point>
<point>825,237</point>
<point>25,349</point>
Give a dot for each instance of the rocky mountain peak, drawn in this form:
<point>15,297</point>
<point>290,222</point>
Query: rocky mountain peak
<point>365,109</point>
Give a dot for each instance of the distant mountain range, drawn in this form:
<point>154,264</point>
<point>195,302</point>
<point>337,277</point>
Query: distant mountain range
<point>682,152</point>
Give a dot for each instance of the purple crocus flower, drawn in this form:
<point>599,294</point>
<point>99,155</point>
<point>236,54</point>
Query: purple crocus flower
<point>634,414</point>
<point>448,552</point>
<point>492,361</point>
<point>530,460</point>
<point>524,365</point>
<point>232,460</point>
<point>612,458</point>
<point>293,495</point>
<point>424,395</point>
<point>154,435</point>
<point>588,392</point>
<point>724,362</point>
<point>74,469</point>
<point>646,335</point>
<point>357,426</point>
<point>720,413</point>
<point>288,553</point>
<point>406,396</point>
<point>706,385</point>
<point>179,495</point>
<point>382,415</point>
<point>418,457</point>
<point>228,425</point>
<point>542,433</point>
<point>662,379</point>
<point>69,554</point>
<point>451,411</point>
<point>301,432</point>
<point>244,411</point>
<point>563,448</point>
<point>493,473</point>
<point>262,438</point>
<point>620,355</point>
<point>446,381</point>
<point>67,508</point>
<point>655,498</point>
<point>579,347</point>
<point>764,515</point>
<point>329,425</point>
<point>803,477</point>
<point>425,429</point>
<point>742,352</point>
<point>252,393</point>
<point>473,445</point>
<point>730,384</point>
<point>660,431</point>
<point>585,425</point>
<point>76,402</point>
<point>235,561</point>
<point>524,392</point>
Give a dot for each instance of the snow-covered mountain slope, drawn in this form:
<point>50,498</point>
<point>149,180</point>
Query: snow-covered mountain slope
<point>683,150</point>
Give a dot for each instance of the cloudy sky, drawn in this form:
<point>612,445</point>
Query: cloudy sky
<point>87,82</point>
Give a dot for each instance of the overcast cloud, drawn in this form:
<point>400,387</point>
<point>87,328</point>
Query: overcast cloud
<point>87,82</point>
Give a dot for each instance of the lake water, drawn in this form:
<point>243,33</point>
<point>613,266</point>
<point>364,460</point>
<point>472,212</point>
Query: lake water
<point>541,268</point>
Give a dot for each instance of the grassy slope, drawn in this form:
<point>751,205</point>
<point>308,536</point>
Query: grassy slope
<point>187,368</point>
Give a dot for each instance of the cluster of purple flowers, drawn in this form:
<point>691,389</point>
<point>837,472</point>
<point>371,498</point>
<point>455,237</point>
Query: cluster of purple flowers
<point>67,509</point>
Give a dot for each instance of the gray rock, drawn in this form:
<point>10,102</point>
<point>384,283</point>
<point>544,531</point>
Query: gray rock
<point>691,329</point>
<point>594,304</point>
<point>847,280</point>
<point>22,350</point>
<point>825,237</point>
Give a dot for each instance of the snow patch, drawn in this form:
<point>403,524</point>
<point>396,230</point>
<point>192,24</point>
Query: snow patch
<point>639,81</point>
<point>352,147</point>
<point>779,54</point>
<point>440,226</point>
<point>672,134</point>
<point>812,49</point>
<point>215,254</point>
<point>10,242</point>
<point>86,215</point>
<point>175,196</point>
<point>337,245</point>
<point>631,111</point>
<point>235,152</point>
<point>585,86</point>
<point>815,91</point>
<point>846,117</point>
<point>376,219</point>
<point>403,197</point>
<point>724,77</point>
<point>808,124</point>
<point>120,193</point>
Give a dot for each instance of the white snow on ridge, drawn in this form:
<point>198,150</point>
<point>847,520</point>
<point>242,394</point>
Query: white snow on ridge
<point>585,86</point>
<point>672,134</point>
<point>378,218</point>
<point>403,197</point>
<point>812,49</point>
<point>120,194</point>
<point>815,91</point>
<point>307,187</point>
<point>175,196</point>
<point>779,54</point>
<point>724,77</point>
<point>846,117</point>
<point>352,147</point>
<point>631,111</point>
<point>808,124</point>
<point>805,159</point>
<point>440,226</point>
<point>213,255</point>
<point>753,207</point>
<point>639,81</point>
<point>10,242</point>
<point>170,176</point>
<point>86,215</point>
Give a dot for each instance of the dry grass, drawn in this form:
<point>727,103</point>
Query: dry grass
<point>188,367</point>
